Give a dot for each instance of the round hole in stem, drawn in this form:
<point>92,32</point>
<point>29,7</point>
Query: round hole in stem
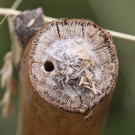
<point>49,67</point>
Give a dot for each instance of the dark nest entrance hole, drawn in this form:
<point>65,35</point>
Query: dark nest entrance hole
<point>49,66</point>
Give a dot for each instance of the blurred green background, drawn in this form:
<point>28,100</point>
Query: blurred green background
<point>117,15</point>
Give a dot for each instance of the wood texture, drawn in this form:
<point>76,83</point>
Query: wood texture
<point>68,74</point>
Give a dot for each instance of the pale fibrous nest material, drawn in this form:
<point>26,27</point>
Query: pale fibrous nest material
<point>73,64</point>
<point>7,82</point>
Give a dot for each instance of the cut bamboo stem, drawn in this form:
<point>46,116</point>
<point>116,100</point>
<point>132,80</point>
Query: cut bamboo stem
<point>56,100</point>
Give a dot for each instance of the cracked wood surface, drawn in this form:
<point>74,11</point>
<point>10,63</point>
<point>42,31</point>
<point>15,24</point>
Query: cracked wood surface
<point>68,73</point>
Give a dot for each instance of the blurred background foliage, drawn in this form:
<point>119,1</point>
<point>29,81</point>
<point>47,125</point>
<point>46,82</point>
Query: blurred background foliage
<point>117,15</point>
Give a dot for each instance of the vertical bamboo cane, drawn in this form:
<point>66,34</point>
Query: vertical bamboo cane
<point>68,74</point>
